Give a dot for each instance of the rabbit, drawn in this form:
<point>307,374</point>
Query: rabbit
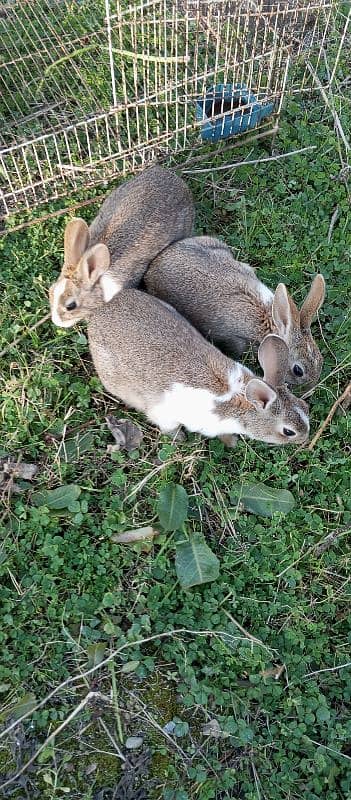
<point>225,300</point>
<point>146,354</point>
<point>135,222</point>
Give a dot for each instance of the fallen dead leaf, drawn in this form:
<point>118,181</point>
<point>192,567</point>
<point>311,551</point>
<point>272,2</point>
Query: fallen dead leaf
<point>127,435</point>
<point>91,768</point>
<point>212,728</point>
<point>12,470</point>
<point>26,471</point>
<point>136,535</point>
<point>133,742</point>
<point>169,727</point>
<point>273,672</point>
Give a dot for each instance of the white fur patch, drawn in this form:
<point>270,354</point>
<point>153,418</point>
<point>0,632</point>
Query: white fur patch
<point>196,409</point>
<point>266,296</point>
<point>236,383</point>
<point>109,286</point>
<point>58,290</point>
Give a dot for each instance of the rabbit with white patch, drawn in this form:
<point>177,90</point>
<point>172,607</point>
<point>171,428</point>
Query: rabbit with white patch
<point>224,299</point>
<point>149,356</point>
<point>135,222</point>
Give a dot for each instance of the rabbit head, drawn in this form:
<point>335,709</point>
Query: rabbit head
<point>294,326</point>
<point>79,289</point>
<point>274,415</point>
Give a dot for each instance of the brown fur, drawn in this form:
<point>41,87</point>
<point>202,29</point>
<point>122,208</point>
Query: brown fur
<point>136,222</point>
<point>238,406</point>
<point>141,348</point>
<point>71,272</point>
<point>133,323</point>
<point>141,218</point>
<point>201,279</point>
<point>223,298</point>
<point>149,356</point>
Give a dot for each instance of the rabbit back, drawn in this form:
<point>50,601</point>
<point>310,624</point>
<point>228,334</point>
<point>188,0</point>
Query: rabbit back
<point>146,354</point>
<point>226,301</point>
<point>222,297</point>
<point>139,342</point>
<point>140,218</point>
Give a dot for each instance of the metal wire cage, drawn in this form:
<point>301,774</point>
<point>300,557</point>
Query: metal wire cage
<point>91,89</point>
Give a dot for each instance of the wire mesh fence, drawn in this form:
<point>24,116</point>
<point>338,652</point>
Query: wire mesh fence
<point>95,88</point>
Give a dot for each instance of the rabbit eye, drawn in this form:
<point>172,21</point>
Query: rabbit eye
<point>71,305</point>
<point>288,432</point>
<point>298,371</point>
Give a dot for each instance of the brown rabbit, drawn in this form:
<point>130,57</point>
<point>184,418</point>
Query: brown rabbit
<point>224,299</point>
<point>150,357</point>
<point>135,222</point>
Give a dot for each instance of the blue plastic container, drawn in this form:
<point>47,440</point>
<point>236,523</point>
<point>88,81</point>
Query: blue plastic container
<point>240,111</point>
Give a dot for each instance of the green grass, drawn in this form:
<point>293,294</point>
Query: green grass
<point>66,586</point>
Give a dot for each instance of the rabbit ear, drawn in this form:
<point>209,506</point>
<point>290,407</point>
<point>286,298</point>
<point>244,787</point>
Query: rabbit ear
<point>284,311</point>
<point>313,301</point>
<point>94,263</point>
<point>76,240</point>
<point>260,394</point>
<point>273,356</point>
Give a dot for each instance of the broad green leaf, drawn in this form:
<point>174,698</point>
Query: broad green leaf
<point>323,714</point>
<point>181,727</point>
<point>172,506</point>
<point>25,704</point>
<point>195,563</point>
<point>62,497</point>
<point>96,653</point>
<point>46,755</point>
<point>263,500</point>
<point>130,666</point>
<point>74,447</point>
<point>109,628</point>
<point>109,600</point>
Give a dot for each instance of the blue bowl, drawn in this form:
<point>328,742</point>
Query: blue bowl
<point>235,109</point>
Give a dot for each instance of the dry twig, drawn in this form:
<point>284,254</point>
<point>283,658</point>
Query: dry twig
<point>112,739</point>
<point>253,161</point>
<point>338,402</point>
<point>87,699</point>
<point>91,671</point>
<point>333,222</point>
<point>145,713</point>
<point>324,545</point>
<point>329,105</point>
<point>58,213</point>
<point>327,669</point>
<point>221,151</point>
<point>25,333</point>
<point>247,635</point>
